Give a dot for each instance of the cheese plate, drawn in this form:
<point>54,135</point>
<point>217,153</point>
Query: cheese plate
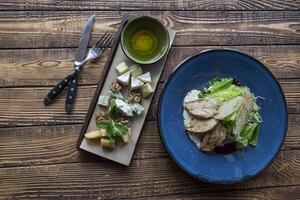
<point>137,77</point>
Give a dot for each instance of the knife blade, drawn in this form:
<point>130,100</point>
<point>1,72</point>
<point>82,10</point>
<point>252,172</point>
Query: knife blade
<point>79,56</point>
<point>84,40</point>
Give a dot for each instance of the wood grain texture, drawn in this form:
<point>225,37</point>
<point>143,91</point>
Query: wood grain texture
<point>150,5</point>
<point>48,29</point>
<point>45,67</point>
<point>42,67</point>
<point>106,180</point>
<point>274,193</point>
<point>24,106</point>
<point>28,146</point>
<point>37,45</point>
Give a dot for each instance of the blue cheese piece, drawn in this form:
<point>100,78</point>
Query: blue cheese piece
<point>147,90</point>
<point>124,78</point>
<point>124,108</point>
<point>122,68</point>
<point>116,95</point>
<point>137,108</point>
<point>136,70</point>
<point>103,100</point>
<point>135,83</point>
<point>146,78</point>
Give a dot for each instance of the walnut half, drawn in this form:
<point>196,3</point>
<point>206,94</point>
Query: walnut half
<point>115,87</point>
<point>101,116</point>
<point>135,97</point>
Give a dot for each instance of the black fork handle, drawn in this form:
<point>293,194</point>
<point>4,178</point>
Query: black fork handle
<point>71,94</point>
<point>58,89</point>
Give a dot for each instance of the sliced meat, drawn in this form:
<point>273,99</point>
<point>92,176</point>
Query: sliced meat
<point>215,138</point>
<point>201,125</point>
<point>201,108</point>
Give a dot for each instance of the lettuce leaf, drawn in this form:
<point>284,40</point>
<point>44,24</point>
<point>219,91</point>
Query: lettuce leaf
<point>254,139</point>
<point>216,85</point>
<point>248,134</point>
<point>114,129</point>
<point>223,95</point>
<point>113,110</point>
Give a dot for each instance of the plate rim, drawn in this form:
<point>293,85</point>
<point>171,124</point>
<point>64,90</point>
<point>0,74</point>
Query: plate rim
<point>222,182</point>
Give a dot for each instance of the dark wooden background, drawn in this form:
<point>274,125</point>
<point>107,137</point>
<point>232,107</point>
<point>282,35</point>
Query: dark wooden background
<point>38,158</point>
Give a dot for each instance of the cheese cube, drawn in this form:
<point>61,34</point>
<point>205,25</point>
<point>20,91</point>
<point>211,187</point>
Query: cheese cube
<point>103,132</point>
<point>136,70</point>
<point>93,135</point>
<point>117,95</point>
<point>127,136</point>
<point>147,90</point>
<point>105,143</point>
<point>122,68</point>
<point>138,108</point>
<point>146,78</point>
<point>103,100</point>
<point>135,84</point>
<point>124,108</point>
<point>124,78</point>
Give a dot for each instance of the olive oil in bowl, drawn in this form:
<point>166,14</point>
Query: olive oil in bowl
<point>145,40</point>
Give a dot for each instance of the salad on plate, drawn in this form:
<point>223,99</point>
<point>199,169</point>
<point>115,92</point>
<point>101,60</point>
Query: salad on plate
<point>222,117</point>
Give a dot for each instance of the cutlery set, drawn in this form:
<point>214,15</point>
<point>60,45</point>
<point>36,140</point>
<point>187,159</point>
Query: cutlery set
<point>80,60</point>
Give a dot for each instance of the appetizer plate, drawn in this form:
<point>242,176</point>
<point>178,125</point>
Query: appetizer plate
<point>123,153</point>
<point>194,73</point>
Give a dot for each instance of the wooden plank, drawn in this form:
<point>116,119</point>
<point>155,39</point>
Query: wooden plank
<point>273,193</point>
<point>56,144</point>
<point>150,5</point>
<point>291,192</point>
<point>37,29</point>
<point>43,67</point>
<point>106,180</point>
<point>24,106</point>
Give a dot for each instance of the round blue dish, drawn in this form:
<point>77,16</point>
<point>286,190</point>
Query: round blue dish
<point>194,73</point>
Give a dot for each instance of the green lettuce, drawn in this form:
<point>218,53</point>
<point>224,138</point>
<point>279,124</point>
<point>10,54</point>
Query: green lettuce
<point>216,85</point>
<point>114,129</point>
<point>113,110</point>
<point>248,135</point>
<point>243,122</point>
<point>223,95</point>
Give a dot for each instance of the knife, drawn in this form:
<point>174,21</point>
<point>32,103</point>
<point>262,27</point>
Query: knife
<point>80,56</point>
<point>68,80</point>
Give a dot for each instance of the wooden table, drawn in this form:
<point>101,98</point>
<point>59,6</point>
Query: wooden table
<point>38,158</point>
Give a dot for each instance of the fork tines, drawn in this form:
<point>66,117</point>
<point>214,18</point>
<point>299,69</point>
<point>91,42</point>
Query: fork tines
<point>104,41</point>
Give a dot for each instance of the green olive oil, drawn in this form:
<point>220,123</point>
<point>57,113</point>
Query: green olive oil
<point>144,43</point>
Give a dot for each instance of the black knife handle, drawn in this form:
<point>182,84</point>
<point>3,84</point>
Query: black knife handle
<point>71,94</point>
<point>57,89</point>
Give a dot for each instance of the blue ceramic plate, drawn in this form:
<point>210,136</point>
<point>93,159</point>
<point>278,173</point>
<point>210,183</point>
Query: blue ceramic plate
<point>194,73</point>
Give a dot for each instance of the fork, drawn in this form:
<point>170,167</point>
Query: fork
<point>71,80</point>
<point>95,52</point>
